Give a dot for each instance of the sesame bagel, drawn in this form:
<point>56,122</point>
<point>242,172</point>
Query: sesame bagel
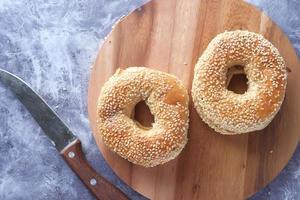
<point>167,100</point>
<point>226,111</point>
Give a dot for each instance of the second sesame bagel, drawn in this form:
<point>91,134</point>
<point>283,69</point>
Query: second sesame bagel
<point>228,112</point>
<point>167,100</point>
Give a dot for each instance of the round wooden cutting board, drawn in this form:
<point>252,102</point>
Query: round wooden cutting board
<point>170,35</point>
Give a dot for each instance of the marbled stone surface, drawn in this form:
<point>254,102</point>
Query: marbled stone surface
<point>51,44</point>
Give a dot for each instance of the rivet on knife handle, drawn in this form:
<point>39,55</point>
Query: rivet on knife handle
<point>99,186</point>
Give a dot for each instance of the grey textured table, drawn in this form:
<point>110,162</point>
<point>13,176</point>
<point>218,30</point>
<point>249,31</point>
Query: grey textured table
<point>51,44</point>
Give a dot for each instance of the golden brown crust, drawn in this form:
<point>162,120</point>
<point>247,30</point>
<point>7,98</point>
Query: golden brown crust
<point>226,111</point>
<point>167,99</point>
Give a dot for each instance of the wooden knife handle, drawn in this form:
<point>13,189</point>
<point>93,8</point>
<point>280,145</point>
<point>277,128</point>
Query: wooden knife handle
<point>97,184</point>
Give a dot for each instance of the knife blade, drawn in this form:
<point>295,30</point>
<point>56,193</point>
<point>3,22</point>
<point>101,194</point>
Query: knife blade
<point>52,125</point>
<point>63,139</point>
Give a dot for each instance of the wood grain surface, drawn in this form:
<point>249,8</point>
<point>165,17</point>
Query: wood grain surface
<point>170,35</point>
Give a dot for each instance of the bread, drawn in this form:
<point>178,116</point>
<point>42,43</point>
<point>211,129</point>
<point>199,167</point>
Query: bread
<point>167,99</point>
<point>225,111</point>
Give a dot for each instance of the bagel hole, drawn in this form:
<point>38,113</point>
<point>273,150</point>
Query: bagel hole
<point>142,115</point>
<point>237,81</point>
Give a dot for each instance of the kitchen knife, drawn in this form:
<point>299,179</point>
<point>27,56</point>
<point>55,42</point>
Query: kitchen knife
<point>63,139</point>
